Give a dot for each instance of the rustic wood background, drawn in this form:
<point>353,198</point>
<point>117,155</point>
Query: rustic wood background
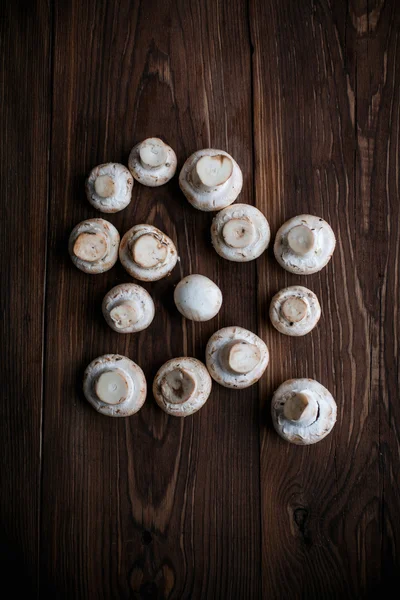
<point>305,95</point>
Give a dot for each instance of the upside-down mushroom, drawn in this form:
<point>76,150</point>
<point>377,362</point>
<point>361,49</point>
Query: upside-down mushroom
<point>295,310</point>
<point>128,308</point>
<point>109,187</point>
<point>198,298</point>
<point>93,246</point>
<point>152,162</point>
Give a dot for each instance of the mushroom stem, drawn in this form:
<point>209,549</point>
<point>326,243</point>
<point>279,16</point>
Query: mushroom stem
<point>239,233</point>
<point>112,387</point>
<point>178,386</point>
<point>241,357</point>
<point>126,314</point>
<point>301,240</point>
<point>90,247</point>
<point>302,408</point>
<point>104,186</point>
<point>153,153</point>
<point>294,309</point>
<point>212,171</point>
<point>148,252</point>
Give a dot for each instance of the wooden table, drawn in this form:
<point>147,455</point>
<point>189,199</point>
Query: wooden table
<point>305,95</point>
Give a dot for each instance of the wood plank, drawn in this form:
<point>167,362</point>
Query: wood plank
<point>150,506</point>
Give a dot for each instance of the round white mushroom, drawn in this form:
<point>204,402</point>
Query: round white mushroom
<point>152,162</point>
<point>236,357</point>
<point>198,298</point>
<point>109,187</point>
<point>295,310</point>
<point>182,386</point>
<point>115,386</point>
<point>128,308</point>
<point>304,244</point>
<point>240,233</point>
<point>147,253</point>
<point>303,411</point>
<point>211,179</point>
<point>93,246</point>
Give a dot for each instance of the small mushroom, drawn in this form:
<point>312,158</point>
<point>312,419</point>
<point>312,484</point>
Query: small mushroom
<point>240,233</point>
<point>304,244</point>
<point>147,253</point>
<point>303,411</point>
<point>114,385</point>
<point>93,246</point>
<point>295,310</point>
<point>128,308</point>
<point>211,179</point>
<point>236,357</point>
<point>197,298</point>
<point>152,162</point>
<point>109,187</point>
<point>182,386</point>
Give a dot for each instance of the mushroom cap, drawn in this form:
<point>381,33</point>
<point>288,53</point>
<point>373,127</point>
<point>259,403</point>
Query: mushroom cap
<point>128,308</point>
<point>304,244</point>
<point>295,310</point>
<point>133,384</point>
<point>164,169</point>
<point>105,234</point>
<point>181,386</point>
<point>311,430</point>
<point>240,233</point>
<point>109,187</point>
<point>223,341</point>
<point>197,298</point>
<point>209,198</point>
<point>160,260</point>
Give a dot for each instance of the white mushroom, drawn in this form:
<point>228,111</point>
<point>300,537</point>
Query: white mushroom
<point>236,357</point>
<point>128,308</point>
<point>93,246</point>
<point>152,162</point>
<point>211,179</point>
<point>304,244</point>
<point>114,385</point>
<point>240,233</point>
<point>198,298</point>
<point>147,253</point>
<point>295,310</point>
<point>109,187</point>
<point>182,386</point>
<point>303,411</point>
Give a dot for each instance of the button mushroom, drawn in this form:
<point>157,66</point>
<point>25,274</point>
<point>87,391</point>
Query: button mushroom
<point>240,233</point>
<point>182,386</point>
<point>152,162</point>
<point>93,246</point>
<point>303,411</point>
<point>109,187</point>
<point>304,244</point>
<point>147,253</point>
<point>295,310</point>
<point>211,179</point>
<point>236,357</point>
<point>198,298</point>
<point>114,385</point>
<point>128,308</point>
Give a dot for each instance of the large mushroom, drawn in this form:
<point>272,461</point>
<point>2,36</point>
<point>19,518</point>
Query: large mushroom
<point>182,386</point>
<point>304,244</point>
<point>240,233</point>
<point>303,411</point>
<point>147,253</point>
<point>295,310</point>
<point>152,162</point>
<point>236,357</point>
<point>198,298</point>
<point>211,179</point>
<point>128,308</point>
<point>114,385</point>
<point>109,187</point>
<point>93,246</point>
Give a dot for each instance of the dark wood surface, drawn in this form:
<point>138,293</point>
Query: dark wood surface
<point>305,95</point>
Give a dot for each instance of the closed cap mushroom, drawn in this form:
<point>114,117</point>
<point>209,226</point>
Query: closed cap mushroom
<point>147,253</point>
<point>295,310</point>
<point>198,298</point>
<point>152,162</point>
<point>109,187</point>
<point>211,179</point>
<point>128,308</point>
<point>182,386</point>
<point>236,357</point>
<point>114,385</point>
<point>304,244</point>
<point>240,233</point>
<point>93,246</point>
<point>303,411</point>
